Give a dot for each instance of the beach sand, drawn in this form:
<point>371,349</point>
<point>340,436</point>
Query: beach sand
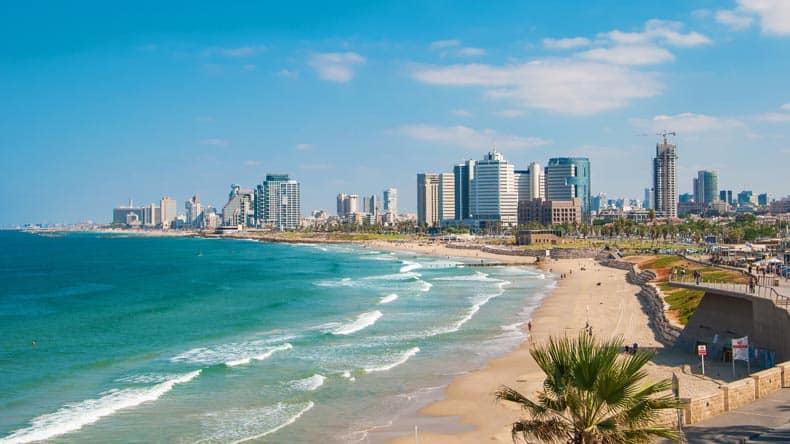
<point>590,293</point>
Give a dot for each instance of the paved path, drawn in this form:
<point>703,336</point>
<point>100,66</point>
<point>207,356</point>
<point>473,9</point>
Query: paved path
<point>765,420</point>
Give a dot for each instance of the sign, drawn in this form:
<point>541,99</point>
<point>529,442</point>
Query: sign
<point>702,350</point>
<point>740,349</point>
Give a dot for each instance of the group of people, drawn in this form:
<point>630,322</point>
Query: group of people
<point>631,350</point>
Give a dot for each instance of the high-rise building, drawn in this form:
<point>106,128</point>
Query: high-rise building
<point>370,205</point>
<point>428,199</point>
<point>726,196</point>
<point>342,204</point>
<point>194,208</point>
<point>281,202</point>
<point>550,212</point>
<point>241,208</point>
<point>463,174</point>
<point>598,202</point>
<point>706,187</point>
<point>391,201</point>
<point>763,199</point>
<point>746,197</point>
<point>530,183</point>
<point>649,202</point>
<point>352,206</point>
<point>686,198</point>
<point>494,196</point>
<point>446,196</point>
<point>168,208</point>
<point>665,179</point>
<point>568,178</point>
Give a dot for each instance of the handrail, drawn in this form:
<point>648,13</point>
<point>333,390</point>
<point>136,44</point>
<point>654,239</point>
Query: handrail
<point>757,290</point>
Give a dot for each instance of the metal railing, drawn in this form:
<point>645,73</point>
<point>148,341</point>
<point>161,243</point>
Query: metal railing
<point>756,289</point>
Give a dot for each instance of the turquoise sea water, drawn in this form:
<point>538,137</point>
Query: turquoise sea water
<point>196,340</point>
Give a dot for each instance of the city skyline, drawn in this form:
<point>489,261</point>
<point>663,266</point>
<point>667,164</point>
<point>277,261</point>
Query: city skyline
<point>147,105</point>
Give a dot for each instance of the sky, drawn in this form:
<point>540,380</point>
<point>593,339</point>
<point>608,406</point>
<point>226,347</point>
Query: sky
<point>103,101</point>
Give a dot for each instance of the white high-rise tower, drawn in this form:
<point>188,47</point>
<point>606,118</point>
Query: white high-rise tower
<point>665,178</point>
<point>494,197</point>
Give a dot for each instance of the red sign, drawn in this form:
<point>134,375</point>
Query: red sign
<point>702,350</point>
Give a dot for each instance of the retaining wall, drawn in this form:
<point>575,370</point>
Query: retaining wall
<point>767,382</point>
<point>738,393</point>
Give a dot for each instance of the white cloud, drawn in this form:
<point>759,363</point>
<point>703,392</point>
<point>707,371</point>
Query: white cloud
<point>510,113</point>
<point>629,55</point>
<point>774,14</point>
<point>687,123</point>
<point>249,67</point>
<point>562,85</point>
<point>774,117</point>
<point>241,51</point>
<point>441,44</point>
<point>566,43</point>
<point>656,31</point>
<point>465,137</point>
<point>460,112</point>
<point>215,142</point>
<point>471,52</point>
<point>701,13</point>
<point>303,147</point>
<point>336,66</point>
<point>786,107</point>
<point>252,163</point>
<point>733,19</point>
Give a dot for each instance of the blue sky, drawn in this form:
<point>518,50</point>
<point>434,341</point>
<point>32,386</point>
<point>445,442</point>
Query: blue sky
<point>101,102</point>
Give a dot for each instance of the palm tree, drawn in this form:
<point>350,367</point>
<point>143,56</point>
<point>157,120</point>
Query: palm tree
<point>592,394</point>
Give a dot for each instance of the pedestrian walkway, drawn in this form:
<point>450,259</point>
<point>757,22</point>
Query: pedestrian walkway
<point>765,420</point>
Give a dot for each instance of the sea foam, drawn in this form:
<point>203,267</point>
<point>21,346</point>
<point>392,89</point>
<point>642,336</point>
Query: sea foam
<point>232,354</point>
<point>389,366</point>
<point>73,417</point>
<point>242,425</point>
<point>409,266</point>
<point>308,384</point>
<point>388,298</point>
<point>361,322</point>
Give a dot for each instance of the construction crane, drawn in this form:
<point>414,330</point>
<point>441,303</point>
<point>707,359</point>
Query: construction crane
<point>665,133</point>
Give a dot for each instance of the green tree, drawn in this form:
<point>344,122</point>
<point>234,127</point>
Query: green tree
<point>592,394</point>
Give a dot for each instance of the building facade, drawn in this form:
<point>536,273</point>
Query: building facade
<point>463,173</point>
<point>446,196</point>
<point>494,197</point>
<point>169,211</point>
<point>569,178</point>
<point>550,212</point>
<point>706,187</point>
<point>280,202</point>
<point>428,199</point>
<point>390,201</point>
<point>665,183</point>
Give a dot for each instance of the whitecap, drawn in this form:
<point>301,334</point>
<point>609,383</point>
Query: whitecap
<point>231,354</point>
<point>72,417</point>
<point>361,322</point>
<point>389,366</point>
<point>409,275</point>
<point>260,357</point>
<point>409,266</point>
<point>308,384</point>
<point>388,298</point>
<point>242,425</point>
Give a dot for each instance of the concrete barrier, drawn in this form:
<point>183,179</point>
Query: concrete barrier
<point>703,407</point>
<point>738,393</point>
<point>785,366</point>
<point>767,382</point>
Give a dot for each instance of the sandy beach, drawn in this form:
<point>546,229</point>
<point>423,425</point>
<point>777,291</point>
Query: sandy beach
<point>589,293</point>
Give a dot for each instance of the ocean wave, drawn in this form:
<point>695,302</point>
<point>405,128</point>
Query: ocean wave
<point>388,298</point>
<point>476,306</point>
<point>477,277</point>
<point>409,266</point>
<point>389,366</point>
<point>232,354</point>
<point>308,384</point>
<point>344,282</point>
<point>425,286</point>
<point>361,322</point>
<point>237,426</point>
<point>72,417</point>
<point>409,275</point>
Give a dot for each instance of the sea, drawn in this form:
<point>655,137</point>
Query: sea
<point>122,338</point>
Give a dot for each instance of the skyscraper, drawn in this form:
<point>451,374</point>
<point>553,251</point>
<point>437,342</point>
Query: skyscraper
<point>428,199</point>
<point>665,179</point>
<point>342,199</point>
<point>280,202</point>
<point>391,201</point>
<point>168,208</point>
<point>706,187</point>
<point>726,196</point>
<point>530,183</point>
<point>494,197</point>
<point>240,210</point>
<point>446,196</point>
<point>194,208</point>
<point>568,178</point>
<point>649,202</point>
<point>463,174</point>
